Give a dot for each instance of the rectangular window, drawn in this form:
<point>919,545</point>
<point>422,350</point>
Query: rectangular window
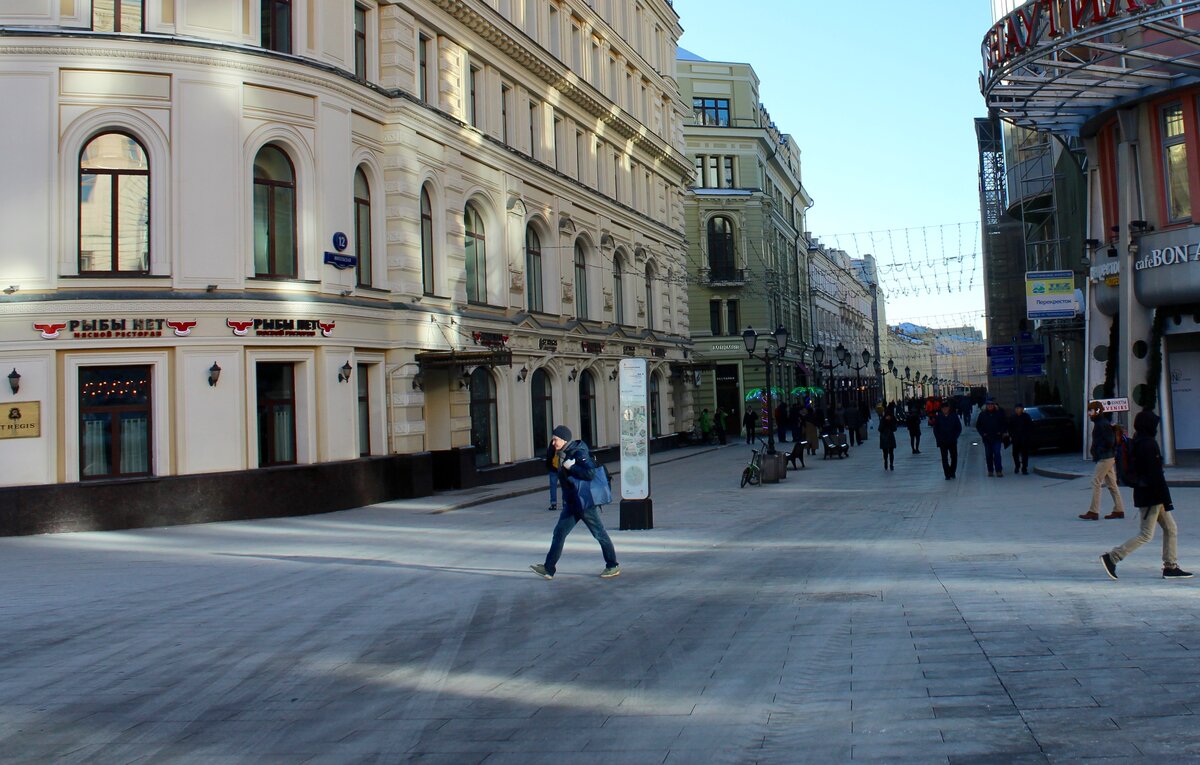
<point>533,130</point>
<point>616,184</point>
<point>364,411</point>
<point>711,111</point>
<point>559,140</point>
<point>555,28</point>
<point>576,48</point>
<point>276,18</point>
<point>594,74</point>
<point>1175,164</point>
<point>714,317</point>
<point>473,95</point>
<point>276,397</point>
<point>114,421</point>
<point>614,84</point>
<point>700,171</point>
<point>731,317</point>
<point>531,18</point>
<point>711,180</point>
<point>727,163</point>
<point>635,182</point>
<point>580,156</point>
<point>505,111</point>
<point>599,166</point>
<point>117,16</point>
<point>360,42</point>
<point>423,55</point>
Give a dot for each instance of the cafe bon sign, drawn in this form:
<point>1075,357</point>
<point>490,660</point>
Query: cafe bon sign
<point>1040,22</point>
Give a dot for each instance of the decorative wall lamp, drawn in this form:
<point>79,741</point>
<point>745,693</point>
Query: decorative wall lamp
<point>418,382</point>
<point>614,374</point>
<point>344,372</point>
<point>574,373</point>
<point>464,382</point>
<point>214,374</point>
<point>14,381</point>
<point>524,373</point>
<point>1138,227</point>
<point>1092,246</point>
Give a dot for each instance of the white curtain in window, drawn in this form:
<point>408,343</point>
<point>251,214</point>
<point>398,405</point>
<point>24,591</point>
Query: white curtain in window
<point>285,439</point>
<point>135,440</point>
<point>95,447</point>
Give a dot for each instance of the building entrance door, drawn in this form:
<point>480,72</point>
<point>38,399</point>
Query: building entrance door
<point>729,392</point>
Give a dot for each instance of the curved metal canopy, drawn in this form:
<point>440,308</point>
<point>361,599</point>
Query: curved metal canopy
<point>1057,78</point>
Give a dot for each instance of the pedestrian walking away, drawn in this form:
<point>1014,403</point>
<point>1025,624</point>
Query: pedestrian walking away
<point>1153,501</point>
<point>887,438</point>
<point>992,425</point>
<point>719,424</point>
<point>946,430</point>
<point>853,419</point>
<point>1020,430</point>
<point>781,423</point>
<point>1104,444</point>
<point>552,471</point>
<point>576,469</point>
<point>750,423</point>
<point>913,422</point>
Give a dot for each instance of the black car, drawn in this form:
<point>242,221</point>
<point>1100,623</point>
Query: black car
<point>1053,428</point>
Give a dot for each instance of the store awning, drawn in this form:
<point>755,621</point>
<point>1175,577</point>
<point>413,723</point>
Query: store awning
<point>431,360</point>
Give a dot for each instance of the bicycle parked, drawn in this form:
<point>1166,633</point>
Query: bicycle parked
<point>752,473</point>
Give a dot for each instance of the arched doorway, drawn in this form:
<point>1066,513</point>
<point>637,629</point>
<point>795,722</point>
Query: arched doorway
<point>484,435</point>
<point>542,394</point>
<point>587,408</point>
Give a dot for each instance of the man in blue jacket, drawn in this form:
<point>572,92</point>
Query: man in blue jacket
<point>946,430</point>
<point>576,469</point>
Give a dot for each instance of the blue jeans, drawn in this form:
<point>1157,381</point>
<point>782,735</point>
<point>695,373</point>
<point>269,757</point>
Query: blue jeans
<point>991,452</point>
<point>566,521</point>
<point>553,487</point>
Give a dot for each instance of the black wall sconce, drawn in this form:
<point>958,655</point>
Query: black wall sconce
<point>14,381</point>
<point>1139,227</point>
<point>574,373</point>
<point>1112,251</point>
<point>615,373</point>
<point>344,372</point>
<point>214,374</point>
<point>418,382</point>
<point>464,382</point>
<point>524,373</point>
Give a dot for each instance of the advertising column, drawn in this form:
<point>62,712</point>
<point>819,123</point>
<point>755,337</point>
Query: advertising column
<point>637,509</point>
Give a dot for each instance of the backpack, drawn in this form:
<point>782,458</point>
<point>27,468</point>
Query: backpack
<point>1126,475</point>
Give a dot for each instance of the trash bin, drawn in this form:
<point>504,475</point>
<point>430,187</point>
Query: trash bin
<point>774,467</point>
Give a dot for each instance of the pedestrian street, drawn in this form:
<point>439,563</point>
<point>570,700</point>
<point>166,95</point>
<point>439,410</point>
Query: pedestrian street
<point>846,614</point>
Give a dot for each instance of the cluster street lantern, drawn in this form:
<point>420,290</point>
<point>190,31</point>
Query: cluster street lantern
<point>819,358</point>
<point>770,353</point>
<point>866,359</point>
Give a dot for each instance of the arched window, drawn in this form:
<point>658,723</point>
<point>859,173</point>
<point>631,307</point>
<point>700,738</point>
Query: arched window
<point>655,408</point>
<point>542,395</point>
<point>587,408</point>
<point>618,291</point>
<point>533,270</point>
<point>114,206</point>
<point>651,286</point>
<point>426,242</point>
<point>276,17</point>
<point>476,252</point>
<point>484,435</point>
<point>722,260</point>
<point>274,213</point>
<point>362,227</point>
<point>581,295</point>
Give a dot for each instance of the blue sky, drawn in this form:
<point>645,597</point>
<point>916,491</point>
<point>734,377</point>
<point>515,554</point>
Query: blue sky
<point>880,95</point>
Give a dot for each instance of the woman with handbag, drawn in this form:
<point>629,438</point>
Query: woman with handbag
<point>576,471</point>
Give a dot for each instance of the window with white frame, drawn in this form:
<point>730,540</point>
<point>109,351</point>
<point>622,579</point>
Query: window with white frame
<point>1175,164</point>
<point>360,41</point>
<point>276,25</point>
<point>122,16</point>
<point>362,227</point>
<point>475,245</point>
<point>581,285</point>
<point>274,213</point>
<point>114,206</point>
<point>533,269</point>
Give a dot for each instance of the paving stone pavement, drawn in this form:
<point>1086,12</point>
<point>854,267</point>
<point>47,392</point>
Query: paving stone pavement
<point>846,614</point>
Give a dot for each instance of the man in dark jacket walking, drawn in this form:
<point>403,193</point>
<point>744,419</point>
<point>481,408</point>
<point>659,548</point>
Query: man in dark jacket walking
<point>1153,501</point>
<point>1020,430</point>
<point>1104,446</point>
<point>913,422</point>
<point>575,470</point>
<point>992,424</point>
<point>946,430</point>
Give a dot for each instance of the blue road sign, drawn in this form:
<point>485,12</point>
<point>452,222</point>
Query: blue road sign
<point>1001,350</point>
<point>1003,372</point>
<point>1030,370</point>
<point>1024,348</point>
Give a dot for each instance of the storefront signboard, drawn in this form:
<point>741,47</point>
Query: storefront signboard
<point>1050,295</point>
<point>1167,268</point>
<point>635,429</point>
<point>280,327</point>
<point>107,329</point>
<point>1111,404</point>
<point>23,420</point>
<point>725,347</point>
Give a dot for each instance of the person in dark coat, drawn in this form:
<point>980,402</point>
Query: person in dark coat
<point>1020,431</point>
<point>887,438</point>
<point>1104,445</point>
<point>853,419</point>
<point>781,423</point>
<point>719,424</point>
<point>750,423</point>
<point>1153,501</point>
<point>992,424</point>
<point>913,422</point>
<point>575,469</point>
<point>946,430</point>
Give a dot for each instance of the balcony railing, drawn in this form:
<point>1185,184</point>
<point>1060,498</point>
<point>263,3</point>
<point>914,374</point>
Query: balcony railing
<point>723,276</point>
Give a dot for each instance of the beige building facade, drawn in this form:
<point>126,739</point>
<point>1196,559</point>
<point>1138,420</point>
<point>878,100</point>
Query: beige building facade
<point>257,236</point>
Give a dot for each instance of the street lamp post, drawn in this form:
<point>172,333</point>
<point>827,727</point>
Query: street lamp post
<point>769,353</point>
<point>819,360</point>
<point>866,358</point>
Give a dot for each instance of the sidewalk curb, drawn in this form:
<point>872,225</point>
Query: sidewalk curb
<point>1179,483</point>
<point>511,493</point>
